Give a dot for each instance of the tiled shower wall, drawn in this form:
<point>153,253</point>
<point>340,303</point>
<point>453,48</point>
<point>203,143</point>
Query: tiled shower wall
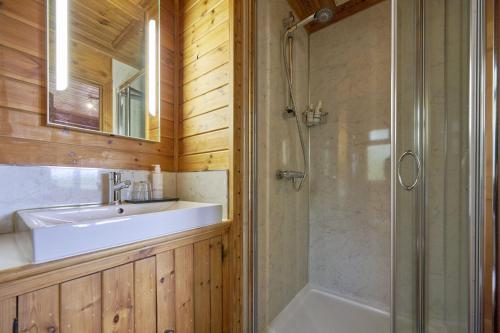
<point>350,158</point>
<point>283,212</point>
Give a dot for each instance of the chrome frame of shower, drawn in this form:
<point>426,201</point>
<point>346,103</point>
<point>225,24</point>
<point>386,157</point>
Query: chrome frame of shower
<point>394,16</point>
<point>477,86</point>
<point>495,104</point>
<point>476,162</point>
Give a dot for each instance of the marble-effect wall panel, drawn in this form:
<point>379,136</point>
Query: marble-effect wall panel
<point>350,158</point>
<point>24,187</point>
<point>283,212</point>
<point>205,186</point>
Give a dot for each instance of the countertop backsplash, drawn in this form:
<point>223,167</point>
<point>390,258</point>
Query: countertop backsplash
<point>25,187</point>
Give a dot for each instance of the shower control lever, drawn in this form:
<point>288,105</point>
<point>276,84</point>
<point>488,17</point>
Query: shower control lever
<point>289,174</point>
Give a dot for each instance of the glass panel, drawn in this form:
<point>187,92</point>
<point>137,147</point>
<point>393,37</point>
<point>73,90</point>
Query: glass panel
<point>405,227</point>
<point>446,165</point>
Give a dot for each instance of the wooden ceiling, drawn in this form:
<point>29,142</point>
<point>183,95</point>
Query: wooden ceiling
<point>341,9</point>
<point>115,27</point>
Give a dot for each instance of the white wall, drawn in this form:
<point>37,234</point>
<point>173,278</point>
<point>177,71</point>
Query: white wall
<point>350,158</point>
<point>283,213</point>
<point>25,187</point>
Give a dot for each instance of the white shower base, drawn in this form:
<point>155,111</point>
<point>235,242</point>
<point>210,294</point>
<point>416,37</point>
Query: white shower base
<point>315,311</point>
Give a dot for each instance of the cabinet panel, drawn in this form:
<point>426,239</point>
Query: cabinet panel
<point>81,305</point>
<point>216,285</point>
<point>165,283</point>
<point>39,311</point>
<point>7,314</point>
<point>202,286</point>
<point>184,311</point>
<point>145,295</point>
<point>118,299</point>
<point>178,290</point>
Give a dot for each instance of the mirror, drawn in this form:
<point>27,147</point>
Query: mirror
<point>103,66</point>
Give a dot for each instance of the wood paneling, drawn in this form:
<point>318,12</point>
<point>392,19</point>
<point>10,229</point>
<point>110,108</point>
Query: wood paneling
<point>304,8</point>
<point>206,76</point>
<point>204,162</point>
<point>216,285</point>
<point>7,315</point>
<point>202,287</point>
<point>165,275</point>
<point>179,289</point>
<point>145,295</point>
<point>39,310</point>
<point>184,310</point>
<point>118,299</point>
<point>81,305</point>
<point>241,37</point>
<point>22,89</point>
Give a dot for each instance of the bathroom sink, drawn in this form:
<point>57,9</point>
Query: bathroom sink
<point>55,233</point>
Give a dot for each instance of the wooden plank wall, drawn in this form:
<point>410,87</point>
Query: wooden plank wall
<point>24,136</point>
<point>205,117</point>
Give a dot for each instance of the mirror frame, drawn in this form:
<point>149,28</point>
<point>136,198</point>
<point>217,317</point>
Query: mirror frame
<point>79,129</point>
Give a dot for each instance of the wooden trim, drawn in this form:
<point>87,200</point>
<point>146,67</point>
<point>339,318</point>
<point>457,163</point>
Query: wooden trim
<point>251,156</point>
<point>239,65</point>
<point>177,82</point>
<point>31,277</point>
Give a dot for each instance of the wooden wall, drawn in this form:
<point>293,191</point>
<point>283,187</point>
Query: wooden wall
<point>24,136</point>
<point>205,115</point>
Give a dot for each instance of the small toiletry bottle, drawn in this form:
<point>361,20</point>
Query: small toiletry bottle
<point>157,182</point>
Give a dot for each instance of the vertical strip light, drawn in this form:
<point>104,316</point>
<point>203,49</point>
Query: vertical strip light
<point>152,67</point>
<point>61,44</point>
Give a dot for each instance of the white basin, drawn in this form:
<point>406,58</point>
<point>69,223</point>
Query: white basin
<point>55,233</point>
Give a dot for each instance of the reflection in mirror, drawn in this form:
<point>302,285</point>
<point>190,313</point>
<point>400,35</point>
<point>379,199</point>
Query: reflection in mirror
<point>103,66</point>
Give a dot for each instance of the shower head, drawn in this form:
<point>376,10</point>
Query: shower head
<point>322,16</point>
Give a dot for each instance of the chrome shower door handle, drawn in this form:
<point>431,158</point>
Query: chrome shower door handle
<point>409,153</point>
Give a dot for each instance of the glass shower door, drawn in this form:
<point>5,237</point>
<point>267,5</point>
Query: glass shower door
<point>404,201</point>
<point>446,159</point>
<point>430,193</point>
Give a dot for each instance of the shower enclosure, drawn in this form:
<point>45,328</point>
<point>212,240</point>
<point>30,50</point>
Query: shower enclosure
<point>131,112</point>
<point>384,233</point>
<point>437,165</point>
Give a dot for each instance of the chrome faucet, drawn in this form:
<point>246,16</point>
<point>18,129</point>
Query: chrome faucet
<point>116,185</point>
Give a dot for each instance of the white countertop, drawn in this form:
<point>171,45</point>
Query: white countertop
<point>10,254</point>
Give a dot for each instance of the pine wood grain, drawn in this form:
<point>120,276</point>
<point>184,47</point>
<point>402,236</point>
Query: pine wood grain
<point>81,305</point>
<point>202,287</point>
<point>205,90</point>
<point>145,295</point>
<point>165,282</point>
<point>39,310</point>
<point>216,284</point>
<point>184,310</point>
<point>218,160</point>
<point>118,299</point>
<point>7,314</point>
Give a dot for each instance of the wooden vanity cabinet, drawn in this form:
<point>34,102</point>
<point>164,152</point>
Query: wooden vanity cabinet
<point>177,290</point>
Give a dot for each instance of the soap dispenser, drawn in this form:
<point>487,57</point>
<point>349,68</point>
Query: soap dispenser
<point>157,182</point>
